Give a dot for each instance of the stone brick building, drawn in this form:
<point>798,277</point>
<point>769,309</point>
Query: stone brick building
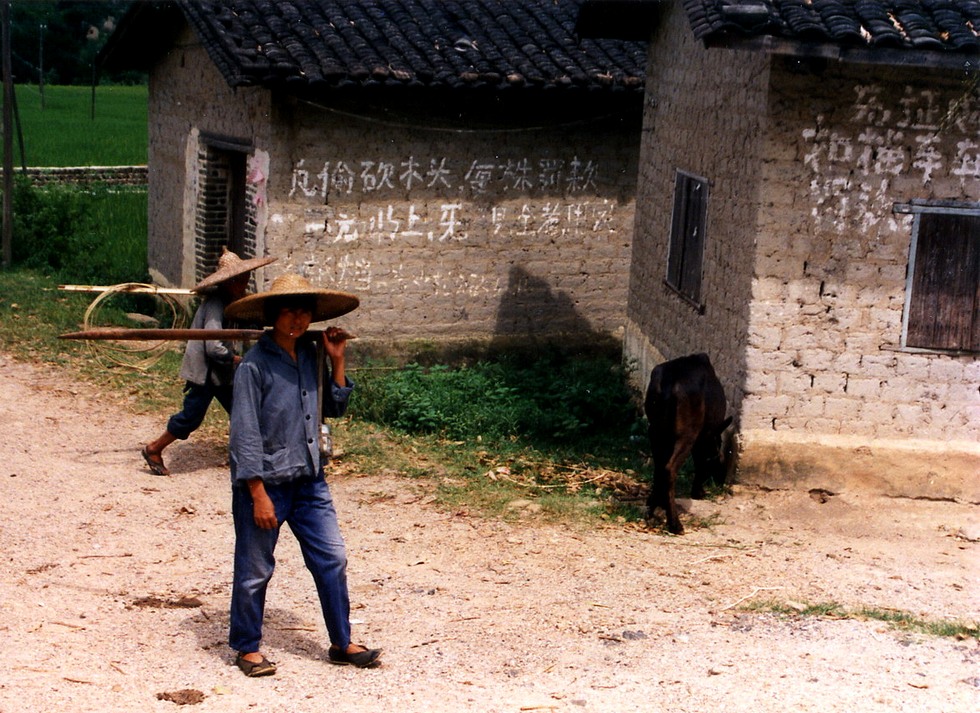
<point>468,168</point>
<point>808,213</point>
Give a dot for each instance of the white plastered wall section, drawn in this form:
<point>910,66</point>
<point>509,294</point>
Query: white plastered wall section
<point>829,391</point>
<point>828,401</point>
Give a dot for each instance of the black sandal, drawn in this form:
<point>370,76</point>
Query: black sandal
<point>361,659</point>
<point>155,461</point>
<point>265,667</point>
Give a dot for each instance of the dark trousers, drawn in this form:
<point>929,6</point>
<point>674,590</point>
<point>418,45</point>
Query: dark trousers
<point>197,399</point>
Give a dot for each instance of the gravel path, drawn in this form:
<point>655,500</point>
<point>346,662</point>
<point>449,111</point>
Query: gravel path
<point>114,592</point>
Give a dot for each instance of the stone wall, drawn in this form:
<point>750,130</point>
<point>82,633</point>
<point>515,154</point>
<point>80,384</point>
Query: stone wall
<point>511,225</point>
<point>805,265</point>
<point>86,175</point>
<point>705,116</point>
<point>825,360</point>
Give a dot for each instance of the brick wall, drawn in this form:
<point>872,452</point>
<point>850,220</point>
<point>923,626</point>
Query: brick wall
<point>805,264</point>
<point>514,222</point>
<point>85,175</point>
<point>211,212</point>
<point>514,229</point>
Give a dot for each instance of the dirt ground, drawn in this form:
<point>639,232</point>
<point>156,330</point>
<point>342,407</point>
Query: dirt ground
<point>114,590</point>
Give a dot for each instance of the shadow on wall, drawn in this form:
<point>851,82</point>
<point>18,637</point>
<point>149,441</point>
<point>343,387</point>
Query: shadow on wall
<point>532,318</point>
<point>532,314</point>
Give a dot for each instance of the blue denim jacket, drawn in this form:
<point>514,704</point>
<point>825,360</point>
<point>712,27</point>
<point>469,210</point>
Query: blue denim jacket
<point>274,430</point>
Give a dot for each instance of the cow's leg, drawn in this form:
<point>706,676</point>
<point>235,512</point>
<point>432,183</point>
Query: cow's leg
<point>661,447</point>
<point>687,427</point>
<point>711,457</point>
<point>682,449</point>
<point>702,470</point>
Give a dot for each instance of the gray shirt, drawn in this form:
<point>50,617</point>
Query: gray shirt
<point>274,434</point>
<point>202,355</point>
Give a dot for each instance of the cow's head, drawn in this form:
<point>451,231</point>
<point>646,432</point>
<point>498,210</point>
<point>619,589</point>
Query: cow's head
<point>720,454</point>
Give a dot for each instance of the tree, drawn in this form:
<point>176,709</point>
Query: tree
<point>71,32</point>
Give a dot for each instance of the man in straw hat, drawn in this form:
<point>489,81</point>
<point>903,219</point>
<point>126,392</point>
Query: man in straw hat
<point>277,464</point>
<point>209,365</point>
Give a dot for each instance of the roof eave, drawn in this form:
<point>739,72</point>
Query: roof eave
<point>888,56</point>
<point>631,20</point>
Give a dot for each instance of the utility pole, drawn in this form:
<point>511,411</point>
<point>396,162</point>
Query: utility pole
<point>40,61</point>
<point>8,143</point>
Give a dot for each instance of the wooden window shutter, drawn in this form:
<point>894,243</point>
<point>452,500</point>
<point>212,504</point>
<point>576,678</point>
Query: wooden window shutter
<point>684,261</point>
<point>945,299</point>
<point>676,250</point>
<point>694,238</point>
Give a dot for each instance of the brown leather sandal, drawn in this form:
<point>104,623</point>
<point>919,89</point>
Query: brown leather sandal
<point>252,669</point>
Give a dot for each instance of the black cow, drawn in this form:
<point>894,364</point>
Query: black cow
<point>685,405</point>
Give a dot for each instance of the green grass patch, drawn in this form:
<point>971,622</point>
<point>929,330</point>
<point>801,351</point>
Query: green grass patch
<point>95,235</point>
<point>117,232</point>
<point>64,132</point>
<point>544,435</point>
<point>546,399</point>
<point>33,312</point>
<point>900,620</point>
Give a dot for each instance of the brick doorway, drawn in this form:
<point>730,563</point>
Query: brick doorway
<point>224,215</point>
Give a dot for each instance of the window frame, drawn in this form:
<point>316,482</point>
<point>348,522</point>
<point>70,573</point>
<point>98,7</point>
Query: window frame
<point>918,208</point>
<point>688,238</point>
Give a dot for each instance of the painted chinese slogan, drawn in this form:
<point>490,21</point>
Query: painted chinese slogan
<point>852,175</point>
<point>560,197</point>
<point>523,175</point>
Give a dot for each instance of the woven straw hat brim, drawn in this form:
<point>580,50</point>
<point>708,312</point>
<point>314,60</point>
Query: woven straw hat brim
<point>222,274</point>
<point>330,304</point>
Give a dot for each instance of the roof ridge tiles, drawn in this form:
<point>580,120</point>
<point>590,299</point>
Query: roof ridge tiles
<point>909,25</point>
<point>505,43</point>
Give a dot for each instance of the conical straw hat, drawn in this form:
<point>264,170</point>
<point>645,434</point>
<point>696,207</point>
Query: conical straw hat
<point>229,266</point>
<point>329,303</point>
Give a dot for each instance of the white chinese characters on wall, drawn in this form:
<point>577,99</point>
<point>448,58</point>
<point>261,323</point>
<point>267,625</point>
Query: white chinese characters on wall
<point>360,275</point>
<point>851,175</point>
<point>444,222</point>
<point>376,221</point>
<point>435,203</point>
<point>573,176</point>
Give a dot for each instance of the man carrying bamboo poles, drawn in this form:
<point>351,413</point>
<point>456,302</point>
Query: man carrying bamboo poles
<point>208,365</point>
<point>283,389</point>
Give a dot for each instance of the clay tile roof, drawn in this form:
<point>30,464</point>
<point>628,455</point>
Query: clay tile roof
<point>943,26</point>
<point>307,45</point>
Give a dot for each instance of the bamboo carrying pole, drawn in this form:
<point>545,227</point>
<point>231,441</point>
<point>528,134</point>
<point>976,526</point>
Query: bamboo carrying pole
<point>128,288</point>
<point>150,335</point>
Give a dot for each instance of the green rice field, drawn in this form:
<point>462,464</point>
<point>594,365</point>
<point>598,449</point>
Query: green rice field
<point>91,234</point>
<point>117,236</point>
<point>72,130</point>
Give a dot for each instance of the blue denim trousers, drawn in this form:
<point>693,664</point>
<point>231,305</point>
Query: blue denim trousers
<point>197,400</point>
<point>307,506</point>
